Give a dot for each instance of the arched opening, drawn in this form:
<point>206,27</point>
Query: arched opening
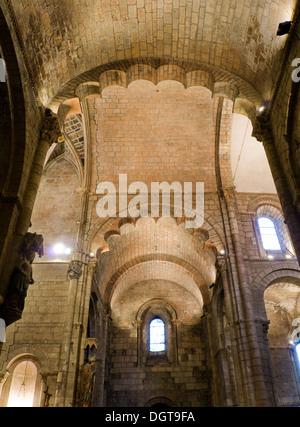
<point>23,385</point>
<point>268,234</point>
<point>157,335</point>
<point>282,302</point>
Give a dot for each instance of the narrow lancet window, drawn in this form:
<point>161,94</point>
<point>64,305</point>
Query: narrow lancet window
<point>157,335</point>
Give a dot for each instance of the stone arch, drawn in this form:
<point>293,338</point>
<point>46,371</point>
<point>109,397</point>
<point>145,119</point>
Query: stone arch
<point>160,401</point>
<point>271,276</point>
<point>10,371</point>
<point>282,306</point>
<point>164,258</point>
<point>258,201</point>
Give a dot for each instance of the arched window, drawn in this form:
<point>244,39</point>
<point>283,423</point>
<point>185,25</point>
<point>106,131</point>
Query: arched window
<point>157,335</point>
<point>268,234</point>
<point>22,390</point>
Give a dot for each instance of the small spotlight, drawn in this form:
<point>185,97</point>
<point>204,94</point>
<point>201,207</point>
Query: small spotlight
<point>284,28</point>
<point>212,286</point>
<point>92,255</point>
<point>222,252</point>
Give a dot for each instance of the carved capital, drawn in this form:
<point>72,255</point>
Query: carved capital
<point>262,130</point>
<point>222,267</point>
<point>50,131</point>
<point>230,192</point>
<point>92,266</point>
<point>75,270</point>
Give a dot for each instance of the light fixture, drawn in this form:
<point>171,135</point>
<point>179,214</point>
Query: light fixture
<point>222,252</point>
<point>61,249</point>
<point>212,286</point>
<point>270,257</point>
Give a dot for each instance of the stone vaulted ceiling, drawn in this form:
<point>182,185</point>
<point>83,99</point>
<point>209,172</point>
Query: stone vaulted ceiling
<point>68,42</point>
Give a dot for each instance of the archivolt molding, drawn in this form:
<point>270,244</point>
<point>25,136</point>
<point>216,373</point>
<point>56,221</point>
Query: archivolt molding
<point>31,352</point>
<point>153,304</point>
<point>131,247</point>
<point>220,85</point>
<point>273,275</point>
<point>262,200</point>
<point>92,82</point>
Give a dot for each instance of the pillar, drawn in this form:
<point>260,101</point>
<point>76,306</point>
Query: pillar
<point>263,132</point>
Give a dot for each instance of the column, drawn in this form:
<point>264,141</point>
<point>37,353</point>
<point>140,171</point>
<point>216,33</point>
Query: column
<point>263,132</point>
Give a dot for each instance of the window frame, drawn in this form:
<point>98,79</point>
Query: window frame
<point>268,250</point>
<point>274,214</point>
<point>39,384</point>
<point>146,314</point>
<point>165,337</point>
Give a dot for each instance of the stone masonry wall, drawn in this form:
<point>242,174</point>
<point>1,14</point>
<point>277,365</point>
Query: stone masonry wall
<point>186,383</point>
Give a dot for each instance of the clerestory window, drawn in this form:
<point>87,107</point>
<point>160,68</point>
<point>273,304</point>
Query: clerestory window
<point>268,234</point>
<point>157,335</point>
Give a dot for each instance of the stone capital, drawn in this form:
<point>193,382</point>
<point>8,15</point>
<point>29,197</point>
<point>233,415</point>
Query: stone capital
<point>50,131</point>
<point>230,192</point>
<point>262,129</point>
<point>75,269</point>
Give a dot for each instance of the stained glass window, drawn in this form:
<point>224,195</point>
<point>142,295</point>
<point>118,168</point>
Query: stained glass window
<point>157,335</point>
